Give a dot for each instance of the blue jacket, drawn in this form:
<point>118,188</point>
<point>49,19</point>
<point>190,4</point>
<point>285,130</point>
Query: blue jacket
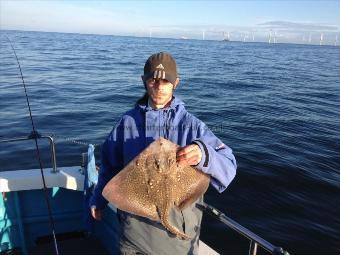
<point>142,125</point>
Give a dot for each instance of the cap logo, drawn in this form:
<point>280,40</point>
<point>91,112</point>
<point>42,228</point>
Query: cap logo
<point>159,74</point>
<point>160,66</point>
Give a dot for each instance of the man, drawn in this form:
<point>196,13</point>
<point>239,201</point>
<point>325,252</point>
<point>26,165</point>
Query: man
<point>159,114</point>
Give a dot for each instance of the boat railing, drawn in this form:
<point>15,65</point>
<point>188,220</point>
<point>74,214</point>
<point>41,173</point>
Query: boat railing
<point>254,239</point>
<point>36,135</point>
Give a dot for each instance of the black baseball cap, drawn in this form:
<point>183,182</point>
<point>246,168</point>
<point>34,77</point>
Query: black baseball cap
<point>160,66</point>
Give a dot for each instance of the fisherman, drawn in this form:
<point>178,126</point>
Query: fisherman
<point>160,114</point>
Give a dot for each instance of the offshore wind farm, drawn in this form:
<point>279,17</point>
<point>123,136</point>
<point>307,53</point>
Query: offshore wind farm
<point>327,36</point>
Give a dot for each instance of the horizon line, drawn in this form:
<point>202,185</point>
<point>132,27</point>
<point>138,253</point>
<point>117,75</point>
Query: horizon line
<point>169,37</point>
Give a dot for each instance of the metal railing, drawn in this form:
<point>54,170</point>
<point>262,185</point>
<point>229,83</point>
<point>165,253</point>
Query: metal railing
<point>254,239</point>
<point>38,136</point>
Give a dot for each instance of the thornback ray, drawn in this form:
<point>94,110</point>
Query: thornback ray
<point>153,183</point>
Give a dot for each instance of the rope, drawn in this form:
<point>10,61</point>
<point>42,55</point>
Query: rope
<point>74,140</point>
<point>34,133</point>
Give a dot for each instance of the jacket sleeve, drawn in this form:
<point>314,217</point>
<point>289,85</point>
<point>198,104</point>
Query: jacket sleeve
<point>217,160</point>
<point>111,164</point>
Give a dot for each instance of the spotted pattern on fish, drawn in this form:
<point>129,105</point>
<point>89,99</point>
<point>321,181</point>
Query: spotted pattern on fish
<point>153,183</point>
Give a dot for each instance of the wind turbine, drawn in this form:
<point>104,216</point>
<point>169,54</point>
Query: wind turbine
<point>226,38</point>
<point>336,40</point>
<point>270,36</point>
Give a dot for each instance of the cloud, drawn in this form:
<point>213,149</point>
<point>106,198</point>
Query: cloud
<point>295,26</point>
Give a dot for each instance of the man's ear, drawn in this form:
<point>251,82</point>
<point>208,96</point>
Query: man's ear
<point>176,83</point>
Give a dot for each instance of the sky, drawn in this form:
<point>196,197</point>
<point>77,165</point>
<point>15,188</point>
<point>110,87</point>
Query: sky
<point>244,20</point>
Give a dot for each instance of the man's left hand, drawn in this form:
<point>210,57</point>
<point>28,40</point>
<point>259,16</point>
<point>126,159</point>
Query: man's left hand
<point>189,155</point>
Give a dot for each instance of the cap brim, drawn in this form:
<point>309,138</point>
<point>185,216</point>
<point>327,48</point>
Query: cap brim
<point>168,77</point>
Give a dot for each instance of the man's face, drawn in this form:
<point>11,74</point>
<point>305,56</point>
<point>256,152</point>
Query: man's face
<point>160,92</point>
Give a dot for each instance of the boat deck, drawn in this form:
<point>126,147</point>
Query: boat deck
<point>78,245</point>
<point>26,226</point>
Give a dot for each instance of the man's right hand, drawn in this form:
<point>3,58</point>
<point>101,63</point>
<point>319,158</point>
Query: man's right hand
<point>96,213</point>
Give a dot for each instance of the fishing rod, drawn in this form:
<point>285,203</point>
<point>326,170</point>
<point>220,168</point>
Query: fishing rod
<point>35,135</point>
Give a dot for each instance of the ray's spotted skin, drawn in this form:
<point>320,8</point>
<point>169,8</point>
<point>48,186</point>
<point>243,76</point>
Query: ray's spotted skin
<point>152,183</point>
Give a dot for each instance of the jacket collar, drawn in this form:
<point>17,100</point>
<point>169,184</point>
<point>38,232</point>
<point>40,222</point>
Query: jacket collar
<point>174,104</point>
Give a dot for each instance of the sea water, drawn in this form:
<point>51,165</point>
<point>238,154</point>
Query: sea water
<point>276,105</point>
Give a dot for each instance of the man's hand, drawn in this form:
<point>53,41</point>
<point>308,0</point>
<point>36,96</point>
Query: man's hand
<point>96,213</point>
<point>189,155</point>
